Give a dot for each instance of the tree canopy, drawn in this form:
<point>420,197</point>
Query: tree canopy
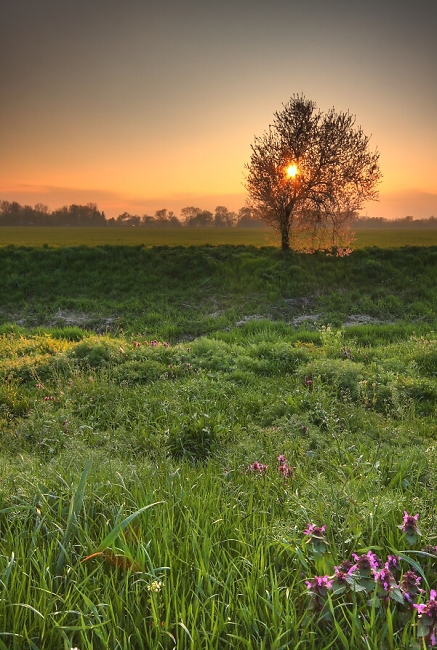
<point>310,173</point>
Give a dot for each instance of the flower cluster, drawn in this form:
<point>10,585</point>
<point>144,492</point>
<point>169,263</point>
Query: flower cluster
<point>155,586</point>
<point>379,582</point>
<point>49,398</point>
<point>365,564</point>
<point>284,468</point>
<point>258,468</point>
<point>153,343</point>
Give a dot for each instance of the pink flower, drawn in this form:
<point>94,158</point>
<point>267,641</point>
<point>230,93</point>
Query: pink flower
<point>427,612</point>
<point>315,531</point>
<point>392,563</point>
<point>385,580</point>
<point>365,564</point>
<point>284,469</point>
<point>410,586</point>
<point>410,528</point>
<point>258,468</point>
<point>410,522</point>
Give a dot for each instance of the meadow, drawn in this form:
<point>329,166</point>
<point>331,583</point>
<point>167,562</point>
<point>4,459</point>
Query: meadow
<point>60,237</point>
<point>217,447</point>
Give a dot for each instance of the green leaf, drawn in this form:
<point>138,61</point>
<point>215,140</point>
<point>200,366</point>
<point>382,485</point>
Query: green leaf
<point>115,532</point>
<point>75,506</point>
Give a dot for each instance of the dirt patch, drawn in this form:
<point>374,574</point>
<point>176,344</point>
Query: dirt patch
<point>306,302</point>
<point>363,319</point>
<point>247,319</point>
<point>65,318</point>
<point>306,318</point>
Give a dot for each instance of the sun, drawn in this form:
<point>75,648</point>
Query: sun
<point>292,171</point>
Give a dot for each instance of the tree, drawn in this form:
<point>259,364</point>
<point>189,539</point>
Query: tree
<point>200,220</point>
<point>249,218</point>
<point>310,173</point>
<point>223,218</point>
<point>189,213</point>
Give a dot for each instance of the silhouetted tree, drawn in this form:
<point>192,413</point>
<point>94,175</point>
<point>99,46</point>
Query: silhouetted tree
<point>249,218</point>
<point>147,221</point>
<point>128,220</point>
<point>189,213</point>
<point>200,220</point>
<point>223,218</point>
<point>166,219</point>
<point>310,173</point>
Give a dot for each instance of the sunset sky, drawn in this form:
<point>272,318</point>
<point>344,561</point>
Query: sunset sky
<point>138,105</point>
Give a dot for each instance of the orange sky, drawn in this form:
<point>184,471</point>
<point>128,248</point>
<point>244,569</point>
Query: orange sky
<point>138,107</point>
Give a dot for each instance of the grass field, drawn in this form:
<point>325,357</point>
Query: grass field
<point>166,483</point>
<point>59,237</point>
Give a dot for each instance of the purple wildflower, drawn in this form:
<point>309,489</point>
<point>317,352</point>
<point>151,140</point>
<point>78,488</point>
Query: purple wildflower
<point>365,564</point>
<point>316,537</point>
<point>345,567</point>
<point>284,469</point>
<point>432,550</point>
<point>319,585</point>
<point>318,589</point>
<point>258,468</point>
<point>409,528</point>
<point>427,615</point>
<point>393,562</point>
<point>410,586</point>
<point>340,576</point>
<point>315,531</point>
<point>385,582</point>
<point>341,580</point>
<point>410,523</point>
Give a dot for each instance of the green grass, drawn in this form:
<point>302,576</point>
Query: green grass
<point>62,237</point>
<point>175,293</point>
<point>178,426</point>
<point>97,427</point>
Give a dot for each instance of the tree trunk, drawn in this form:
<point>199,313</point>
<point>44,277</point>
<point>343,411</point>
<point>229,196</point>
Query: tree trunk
<point>285,228</point>
<point>285,240</point>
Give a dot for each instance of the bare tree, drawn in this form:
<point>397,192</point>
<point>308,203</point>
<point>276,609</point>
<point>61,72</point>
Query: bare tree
<point>310,173</point>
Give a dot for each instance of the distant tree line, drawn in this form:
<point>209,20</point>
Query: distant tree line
<point>405,222</point>
<point>14,214</point>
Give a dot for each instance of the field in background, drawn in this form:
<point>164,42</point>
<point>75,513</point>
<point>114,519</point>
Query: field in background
<point>58,237</point>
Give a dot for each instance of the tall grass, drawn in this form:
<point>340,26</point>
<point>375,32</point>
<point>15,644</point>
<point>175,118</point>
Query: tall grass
<point>130,516</point>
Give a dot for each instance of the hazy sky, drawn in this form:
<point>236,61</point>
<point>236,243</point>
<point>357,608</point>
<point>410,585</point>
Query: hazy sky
<point>138,105</point>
